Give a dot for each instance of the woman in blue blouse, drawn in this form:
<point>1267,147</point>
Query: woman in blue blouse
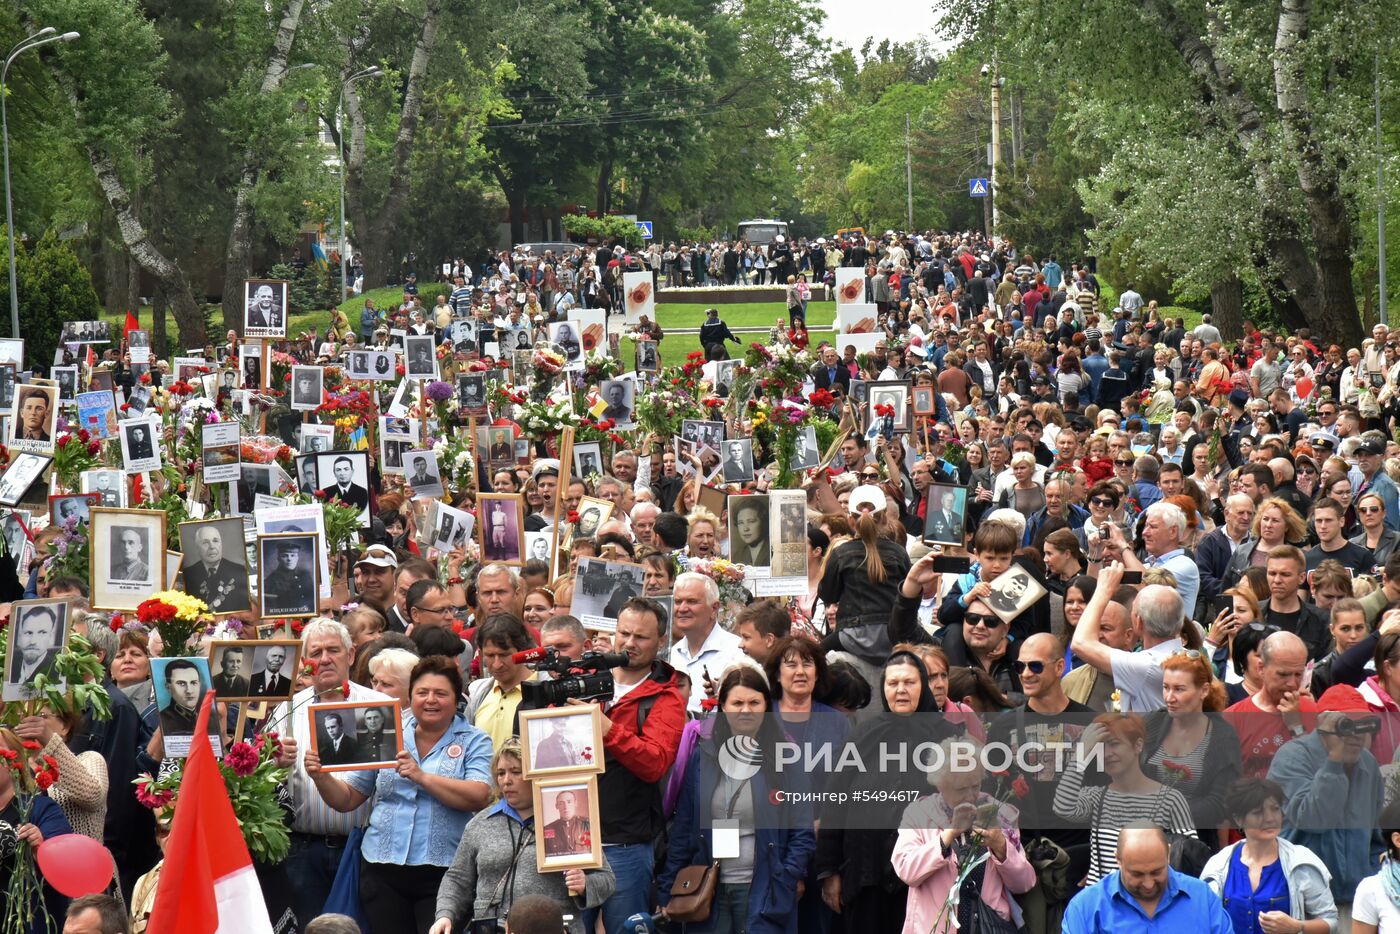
<point>412,836</point>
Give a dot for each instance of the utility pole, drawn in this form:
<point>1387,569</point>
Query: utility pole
<point>996,144</point>
<point>909,180</point>
<point>1380,198</point>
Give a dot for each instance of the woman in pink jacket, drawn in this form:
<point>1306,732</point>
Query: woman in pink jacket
<point>945,832</point>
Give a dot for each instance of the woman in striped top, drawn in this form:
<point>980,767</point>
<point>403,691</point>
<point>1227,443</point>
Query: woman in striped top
<point>1131,797</point>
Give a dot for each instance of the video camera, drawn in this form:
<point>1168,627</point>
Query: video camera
<point>588,677</point>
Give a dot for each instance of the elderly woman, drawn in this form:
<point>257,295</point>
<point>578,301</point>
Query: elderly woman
<point>389,672</point>
<point>420,807</point>
<point>44,821</point>
<point>131,668</point>
<point>81,789</point>
<point>495,863</point>
<point>940,833</point>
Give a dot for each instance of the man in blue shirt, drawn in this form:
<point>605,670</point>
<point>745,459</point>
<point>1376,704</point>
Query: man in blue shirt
<point>1146,894</point>
<point>1094,364</point>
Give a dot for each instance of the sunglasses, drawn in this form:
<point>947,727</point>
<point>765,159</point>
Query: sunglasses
<point>1123,463</point>
<point>987,620</point>
<point>1307,470</point>
<point>1257,626</point>
<point>1369,509</point>
<point>1036,668</point>
<point>1103,501</point>
<point>1189,653</point>
<point>870,476</point>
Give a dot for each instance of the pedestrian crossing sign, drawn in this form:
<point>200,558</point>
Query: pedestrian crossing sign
<point>977,187</point>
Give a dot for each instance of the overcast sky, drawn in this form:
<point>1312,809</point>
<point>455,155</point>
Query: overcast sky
<point>851,22</point>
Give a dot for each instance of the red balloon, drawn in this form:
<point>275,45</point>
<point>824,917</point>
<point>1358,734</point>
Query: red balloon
<point>75,865</point>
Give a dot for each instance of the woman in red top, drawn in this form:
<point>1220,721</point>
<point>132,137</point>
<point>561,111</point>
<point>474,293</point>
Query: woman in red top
<point>797,336</point>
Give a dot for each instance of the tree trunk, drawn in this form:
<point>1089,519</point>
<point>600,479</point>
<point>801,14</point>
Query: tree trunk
<point>240,238</point>
<point>1227,307</point>
<point>381,231</point>
<point>604,193</point>
<point>1327,212</point>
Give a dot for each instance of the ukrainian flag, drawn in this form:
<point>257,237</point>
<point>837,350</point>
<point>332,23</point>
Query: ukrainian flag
<point>359,439</point>
<point>318,256</point>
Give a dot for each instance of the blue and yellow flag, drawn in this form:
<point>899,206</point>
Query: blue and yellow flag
<point>318,256</point>
<point>359,439</point>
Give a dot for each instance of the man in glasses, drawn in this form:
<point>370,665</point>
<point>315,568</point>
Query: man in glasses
<point>981,642</point>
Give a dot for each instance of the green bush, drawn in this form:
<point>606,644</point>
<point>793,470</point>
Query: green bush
<point>54,287</point>
<point>607,230</point>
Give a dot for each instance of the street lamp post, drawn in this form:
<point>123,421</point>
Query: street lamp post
<point>42,37</point>
<point>340,154</point>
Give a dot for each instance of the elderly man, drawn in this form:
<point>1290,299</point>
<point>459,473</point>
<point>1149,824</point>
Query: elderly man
<point>1214,551</point>
<point>1333,794</point>
<point>1057,507</point>
<point>1289,708</point>
<point>1163,531</point>
<point>497,591</point>
<point>706,648</point>
<point>318,831</point>
<point>1144,894</point>
<point>1157,617</point>
<point>644,522</point>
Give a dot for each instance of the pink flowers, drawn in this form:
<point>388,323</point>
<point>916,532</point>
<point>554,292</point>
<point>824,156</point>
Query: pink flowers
<point>155,799</point>
<point>242,758</point>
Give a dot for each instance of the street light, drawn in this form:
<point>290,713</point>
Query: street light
<point>369,72</point>
<point>42,37</point>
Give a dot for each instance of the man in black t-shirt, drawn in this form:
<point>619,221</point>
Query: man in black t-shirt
<point>1327,521</point>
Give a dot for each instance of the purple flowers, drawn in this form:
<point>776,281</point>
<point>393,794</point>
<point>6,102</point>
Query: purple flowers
<point>439,391</point>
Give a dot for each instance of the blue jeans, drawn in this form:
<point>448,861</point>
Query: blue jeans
<point>311,866</point>
<point>732,904</point>
<point>632,865</point>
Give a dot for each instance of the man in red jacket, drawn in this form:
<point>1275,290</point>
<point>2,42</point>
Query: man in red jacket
<point>641,732</point>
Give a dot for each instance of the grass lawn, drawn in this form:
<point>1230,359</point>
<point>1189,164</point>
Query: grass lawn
<point>742,315</point>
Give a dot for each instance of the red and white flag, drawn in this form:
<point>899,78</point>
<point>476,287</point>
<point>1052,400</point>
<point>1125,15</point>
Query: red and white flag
<point>207,885</point>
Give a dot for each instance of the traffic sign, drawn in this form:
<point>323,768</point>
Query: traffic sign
<point>977,187</point>
<point>645,227</point>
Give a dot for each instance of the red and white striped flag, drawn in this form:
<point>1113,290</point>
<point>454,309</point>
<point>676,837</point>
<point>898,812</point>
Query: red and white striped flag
<point>207,885</point>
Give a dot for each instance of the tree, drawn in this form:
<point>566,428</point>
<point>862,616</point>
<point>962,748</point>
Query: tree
<point>53,288</point>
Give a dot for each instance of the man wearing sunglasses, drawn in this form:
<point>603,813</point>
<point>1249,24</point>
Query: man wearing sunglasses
<point>981,642</point>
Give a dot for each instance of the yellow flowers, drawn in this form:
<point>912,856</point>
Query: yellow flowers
<point>759,418</point>
<point>187,608</point>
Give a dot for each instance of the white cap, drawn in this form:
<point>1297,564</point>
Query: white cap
<point>866,495</point>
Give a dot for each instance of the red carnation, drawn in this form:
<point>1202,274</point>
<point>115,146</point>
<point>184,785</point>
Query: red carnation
<point>30,744</point>
<point>1020,787</point>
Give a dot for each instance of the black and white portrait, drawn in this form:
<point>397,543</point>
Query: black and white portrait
<point>34,418</point>
<point>602,588</point>
<point>923,400</point>
<point>253,479</point>
<point>15,527</point>
<point>306,388</point>
<point>787,531</point>
<point>67,379</point>
<point>265,308</point>
<point>315,439</point>
<point>648,360</point>
<point>287,570</point>
<point>71,507</point>
<point>24,469</point>
<point>738,460</point>
<point>538,546</point>
<point>749,542</point>
<point>128,564</point>
<point>180,685</point>
<point>250,363</point>
<point>807,455</point>
<point>254,671</point>
<point>7,386</point>
<point>500,446</point>
<point>360,735</point>
<point>588,459</point>
<point>889,411</point>
<point>710,434</point>
<point>86,332</point>
<point>421,472</point>
<point>945,520</point>
<point>131,558</point>
<point>450,528</point>
<point>109,485</point>
<point>724,376</point>
<point>139,450</point>
<point>502,528</point>
<point>619,394</point>
<point>471,393</point>
<point>214,566</point>
<point>344,475</point>
<point>565,334</point>
<point>38,631</point>
<point>1013,592</point>
<point>419,361</point>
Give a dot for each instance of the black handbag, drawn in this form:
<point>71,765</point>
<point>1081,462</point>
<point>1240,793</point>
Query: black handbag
<point>989,922</point>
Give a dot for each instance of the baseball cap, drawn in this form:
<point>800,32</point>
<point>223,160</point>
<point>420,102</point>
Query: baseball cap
<point>866,495</point>
<point>380,556</point>
<point>1239,398</point>
<point>1371,446</point>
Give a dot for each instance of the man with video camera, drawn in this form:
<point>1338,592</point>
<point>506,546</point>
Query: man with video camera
<point>642,725</point>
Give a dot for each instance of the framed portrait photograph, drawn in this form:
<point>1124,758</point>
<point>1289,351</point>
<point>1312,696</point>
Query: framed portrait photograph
<point>471,393</point>
<point>15,529</point>
<point>602,588</point>
<point>307,393</point>
<point>287,574</point>
<point>749,541</point>
<point>421,472</point>
<point>561,740</point>
<point>138,401</point>
<point>342,475</point>
<point>569,832</point>
<point>109,485</point>
<point>254,670</point>
<point>888,407</point>
<point>223,462</point>
<point>787,532</point>
<point>180,685</point>
<point>588,458</point>
<point>738,460</point>
<point>308,519</point>
<point>252,363</point>
<point>710,434</point>
<point>38,632</point>
<point>945,521</point>
<point>20,476</point>
<point>315,439</point>
<point>356,735</point>
<point>1013,592</point>
<point>620,396</point>
<point>264,308</point>
<point>128,565</point>
<point>501,519</point>
<point>420,361</point>
<point>102,379</point>
<point>538,546</point>
<point>500,447</point>
<point>71,506</point>
<point>254,480</point>
<point>648,357</point>
<point>67,379</point>
<point>592,513</point>
<point>923,400</point>
<point>808,454</point>
<point>565,334</point>
<point>214,565</point>
<point>33,418</point>
<point>140,452</point>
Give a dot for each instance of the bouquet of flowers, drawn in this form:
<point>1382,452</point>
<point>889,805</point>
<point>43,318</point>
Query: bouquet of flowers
<point>599,366</point>
<point>455,455</point>
<point>32,775</point>
<point>726,574</point>
<point>178,617</point>
<point>74,453</point>
<point>545,418</point>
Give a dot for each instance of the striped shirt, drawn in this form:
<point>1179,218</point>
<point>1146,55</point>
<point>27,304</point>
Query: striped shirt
<point>461,300</point>
<point>1108,811</point>
<point>312,814</point>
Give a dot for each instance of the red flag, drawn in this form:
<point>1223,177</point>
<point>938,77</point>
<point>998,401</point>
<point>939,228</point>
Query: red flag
<point>132,324</point>
<point>207,885</point>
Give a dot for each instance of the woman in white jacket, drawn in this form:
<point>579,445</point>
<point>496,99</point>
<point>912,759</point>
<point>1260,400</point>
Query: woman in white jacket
<point>1266,877</point>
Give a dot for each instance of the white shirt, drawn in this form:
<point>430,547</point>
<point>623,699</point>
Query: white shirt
<point>1138,676</point>
<point>1373,906</point>
<point>313,815</point>
<point>1007,479</point>
<point>719,650</point>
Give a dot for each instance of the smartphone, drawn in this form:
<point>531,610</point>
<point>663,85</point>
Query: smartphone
<point>1132,577</point>
<point>952,564</point>
<point>1219,605</point>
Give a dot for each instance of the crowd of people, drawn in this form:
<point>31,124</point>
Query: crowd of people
<point>1171,550</point>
